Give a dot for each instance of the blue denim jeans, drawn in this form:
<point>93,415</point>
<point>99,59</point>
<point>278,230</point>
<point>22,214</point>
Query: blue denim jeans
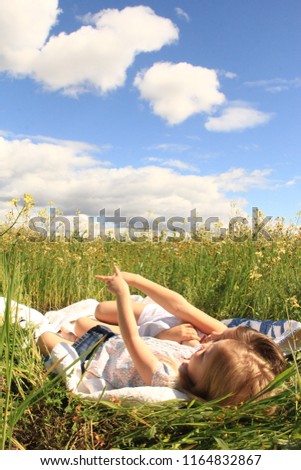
<point>90,341</point>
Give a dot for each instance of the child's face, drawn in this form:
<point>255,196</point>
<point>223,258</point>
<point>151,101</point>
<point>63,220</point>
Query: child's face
<point>202,359</point>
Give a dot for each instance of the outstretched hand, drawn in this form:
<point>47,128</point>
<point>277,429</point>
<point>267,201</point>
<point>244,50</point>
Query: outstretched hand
<point>115,283</point>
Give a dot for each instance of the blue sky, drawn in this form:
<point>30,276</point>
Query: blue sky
<point>155,107</point>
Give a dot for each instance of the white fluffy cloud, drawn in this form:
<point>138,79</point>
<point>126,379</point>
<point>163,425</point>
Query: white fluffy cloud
<point>24,28</point>
<point>177,91</point>
<point>237,118</point>
<point>96,56</point>
<point>71,176</point>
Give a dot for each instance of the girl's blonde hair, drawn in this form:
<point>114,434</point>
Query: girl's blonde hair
<point>260,344</point>
<point>234,374</point>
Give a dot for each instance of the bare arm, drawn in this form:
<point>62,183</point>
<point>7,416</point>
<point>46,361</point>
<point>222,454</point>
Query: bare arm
<point>107,312</point>
<point>145,361</point>
<point>174,303</point>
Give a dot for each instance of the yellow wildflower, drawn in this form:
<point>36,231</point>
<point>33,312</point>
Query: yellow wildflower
<point>14,201</point>
<point>28,199</point>
<point>293,302</point>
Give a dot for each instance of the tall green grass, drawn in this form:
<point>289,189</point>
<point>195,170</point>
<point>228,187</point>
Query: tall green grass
<point>226,279</point>
<point>253,279</point>
<point>17,357</point>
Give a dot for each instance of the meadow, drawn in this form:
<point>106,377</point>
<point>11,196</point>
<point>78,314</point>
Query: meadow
<point>255,278</point>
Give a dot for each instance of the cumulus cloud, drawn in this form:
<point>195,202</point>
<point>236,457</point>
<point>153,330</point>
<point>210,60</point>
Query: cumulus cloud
<point>75,178</point>
<point>239,179</point>
<point>24,28</point>
<point>96,56</point>
<point>177,91</point>
<point>237,118</point>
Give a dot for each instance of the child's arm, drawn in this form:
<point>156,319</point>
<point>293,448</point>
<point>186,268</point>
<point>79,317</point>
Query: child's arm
<point>107,312</point>
<point>145,361</point>
<point>174,303</point>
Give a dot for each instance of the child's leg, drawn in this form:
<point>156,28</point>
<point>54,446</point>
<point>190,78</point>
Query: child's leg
<point>107,311</point>
<point>82,325</point>
<point>48,340</point>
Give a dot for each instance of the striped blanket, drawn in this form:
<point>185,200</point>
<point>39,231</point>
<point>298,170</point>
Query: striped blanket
<point>286,333</point>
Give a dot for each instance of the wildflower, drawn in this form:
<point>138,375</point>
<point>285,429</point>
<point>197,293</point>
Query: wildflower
<point>293,302</point>
<point>255,275</point>
<point>14,201</point>
<point>28,199</point>
<point>43,213</point>
<point>28,203</point>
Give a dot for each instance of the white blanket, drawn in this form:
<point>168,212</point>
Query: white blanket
<point>53,321</point>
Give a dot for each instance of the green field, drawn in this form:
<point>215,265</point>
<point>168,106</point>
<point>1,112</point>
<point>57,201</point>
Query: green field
<point>254,278</point>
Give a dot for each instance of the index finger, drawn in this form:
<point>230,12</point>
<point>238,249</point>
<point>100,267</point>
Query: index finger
<point>104,278</point>
<point>116,270</point>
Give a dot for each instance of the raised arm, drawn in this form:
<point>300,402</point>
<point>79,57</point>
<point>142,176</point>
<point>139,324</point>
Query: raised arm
<point>174,303</point>
<point>145,361</point>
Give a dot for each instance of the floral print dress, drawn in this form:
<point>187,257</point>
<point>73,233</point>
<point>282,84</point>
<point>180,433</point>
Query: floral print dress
<point>112,367</point>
